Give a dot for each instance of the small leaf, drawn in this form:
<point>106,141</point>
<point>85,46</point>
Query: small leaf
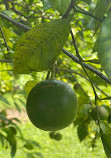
<point>59,5</point>
<point>4,100</point>
<point>105,131</point>
<point>35,143</point>
<point>82,132</point>
<point>29,85</point>
<point>38,49</point>
<point>104,46</point>
<point>28,146</point>
<point>13,130</point>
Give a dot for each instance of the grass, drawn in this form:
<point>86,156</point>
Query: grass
<point>68,147</point>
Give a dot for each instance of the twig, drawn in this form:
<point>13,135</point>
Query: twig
<point>81,63</point>
<point>66,14</point>
<point>87,13</point>
<point>81,88</point>
<point>73,71</point>
<point>4,39</point>
<point>18,24</point>
<point>6,60</point>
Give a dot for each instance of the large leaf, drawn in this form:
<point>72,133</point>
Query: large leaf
<point>38,48</point>
<point>106,137</point>
<point>104,46</point>
<point>100,10</point>
<point>60,5</point>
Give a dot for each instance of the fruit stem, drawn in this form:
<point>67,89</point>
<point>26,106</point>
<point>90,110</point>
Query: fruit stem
<point>48,75</point>
<point>53,71</point>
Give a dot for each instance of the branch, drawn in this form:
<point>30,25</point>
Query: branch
<point>6,60</point>
<point>87,13</point>
<point>66,14</point>
<point>75,72</point>
<point>18,24</point>
<point>4,39</point>
<point>74,58</point>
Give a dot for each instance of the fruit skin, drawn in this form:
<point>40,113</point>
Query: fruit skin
<point>58,136</point>
<point>38,48</point>
<point>51,105</point>
<point>102,112</point>
<point>52,135</point>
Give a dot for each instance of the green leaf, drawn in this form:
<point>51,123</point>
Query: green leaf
<point>82,131</point>
<point>39,48</point>
<point>59,5</point>
<point>29,85</point>
<point>12,141</point>
<point>35,143</point>
<point>17,106</point>
<point>105,131</point>
<point>104,46</point>
<point>13,130</point>
<point>28,146</point>
<point>4,100</point>
<point>100,10</point>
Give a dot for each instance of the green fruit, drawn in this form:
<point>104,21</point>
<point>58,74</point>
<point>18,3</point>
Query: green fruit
<point>58,136</point>
<point>52,135</point>
<point>84,110</point>
<point>51,105</point>
<point>102,112</point>
<point>76,87</point>
<point>104,46</point>
<point>38,48</point>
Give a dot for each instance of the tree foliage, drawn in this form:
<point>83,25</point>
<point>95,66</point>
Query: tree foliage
<point>79,64</point>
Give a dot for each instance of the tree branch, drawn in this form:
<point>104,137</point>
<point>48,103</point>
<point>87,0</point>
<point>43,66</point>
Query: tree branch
<point>74,58</point>
<point>18,24</point>
<point>4,39</point>
<point>87,13</point>
<point>6,60</point>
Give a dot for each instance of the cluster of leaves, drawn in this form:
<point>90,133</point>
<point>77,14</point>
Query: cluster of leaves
<point>86,23</point>
<point>10,133</point>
